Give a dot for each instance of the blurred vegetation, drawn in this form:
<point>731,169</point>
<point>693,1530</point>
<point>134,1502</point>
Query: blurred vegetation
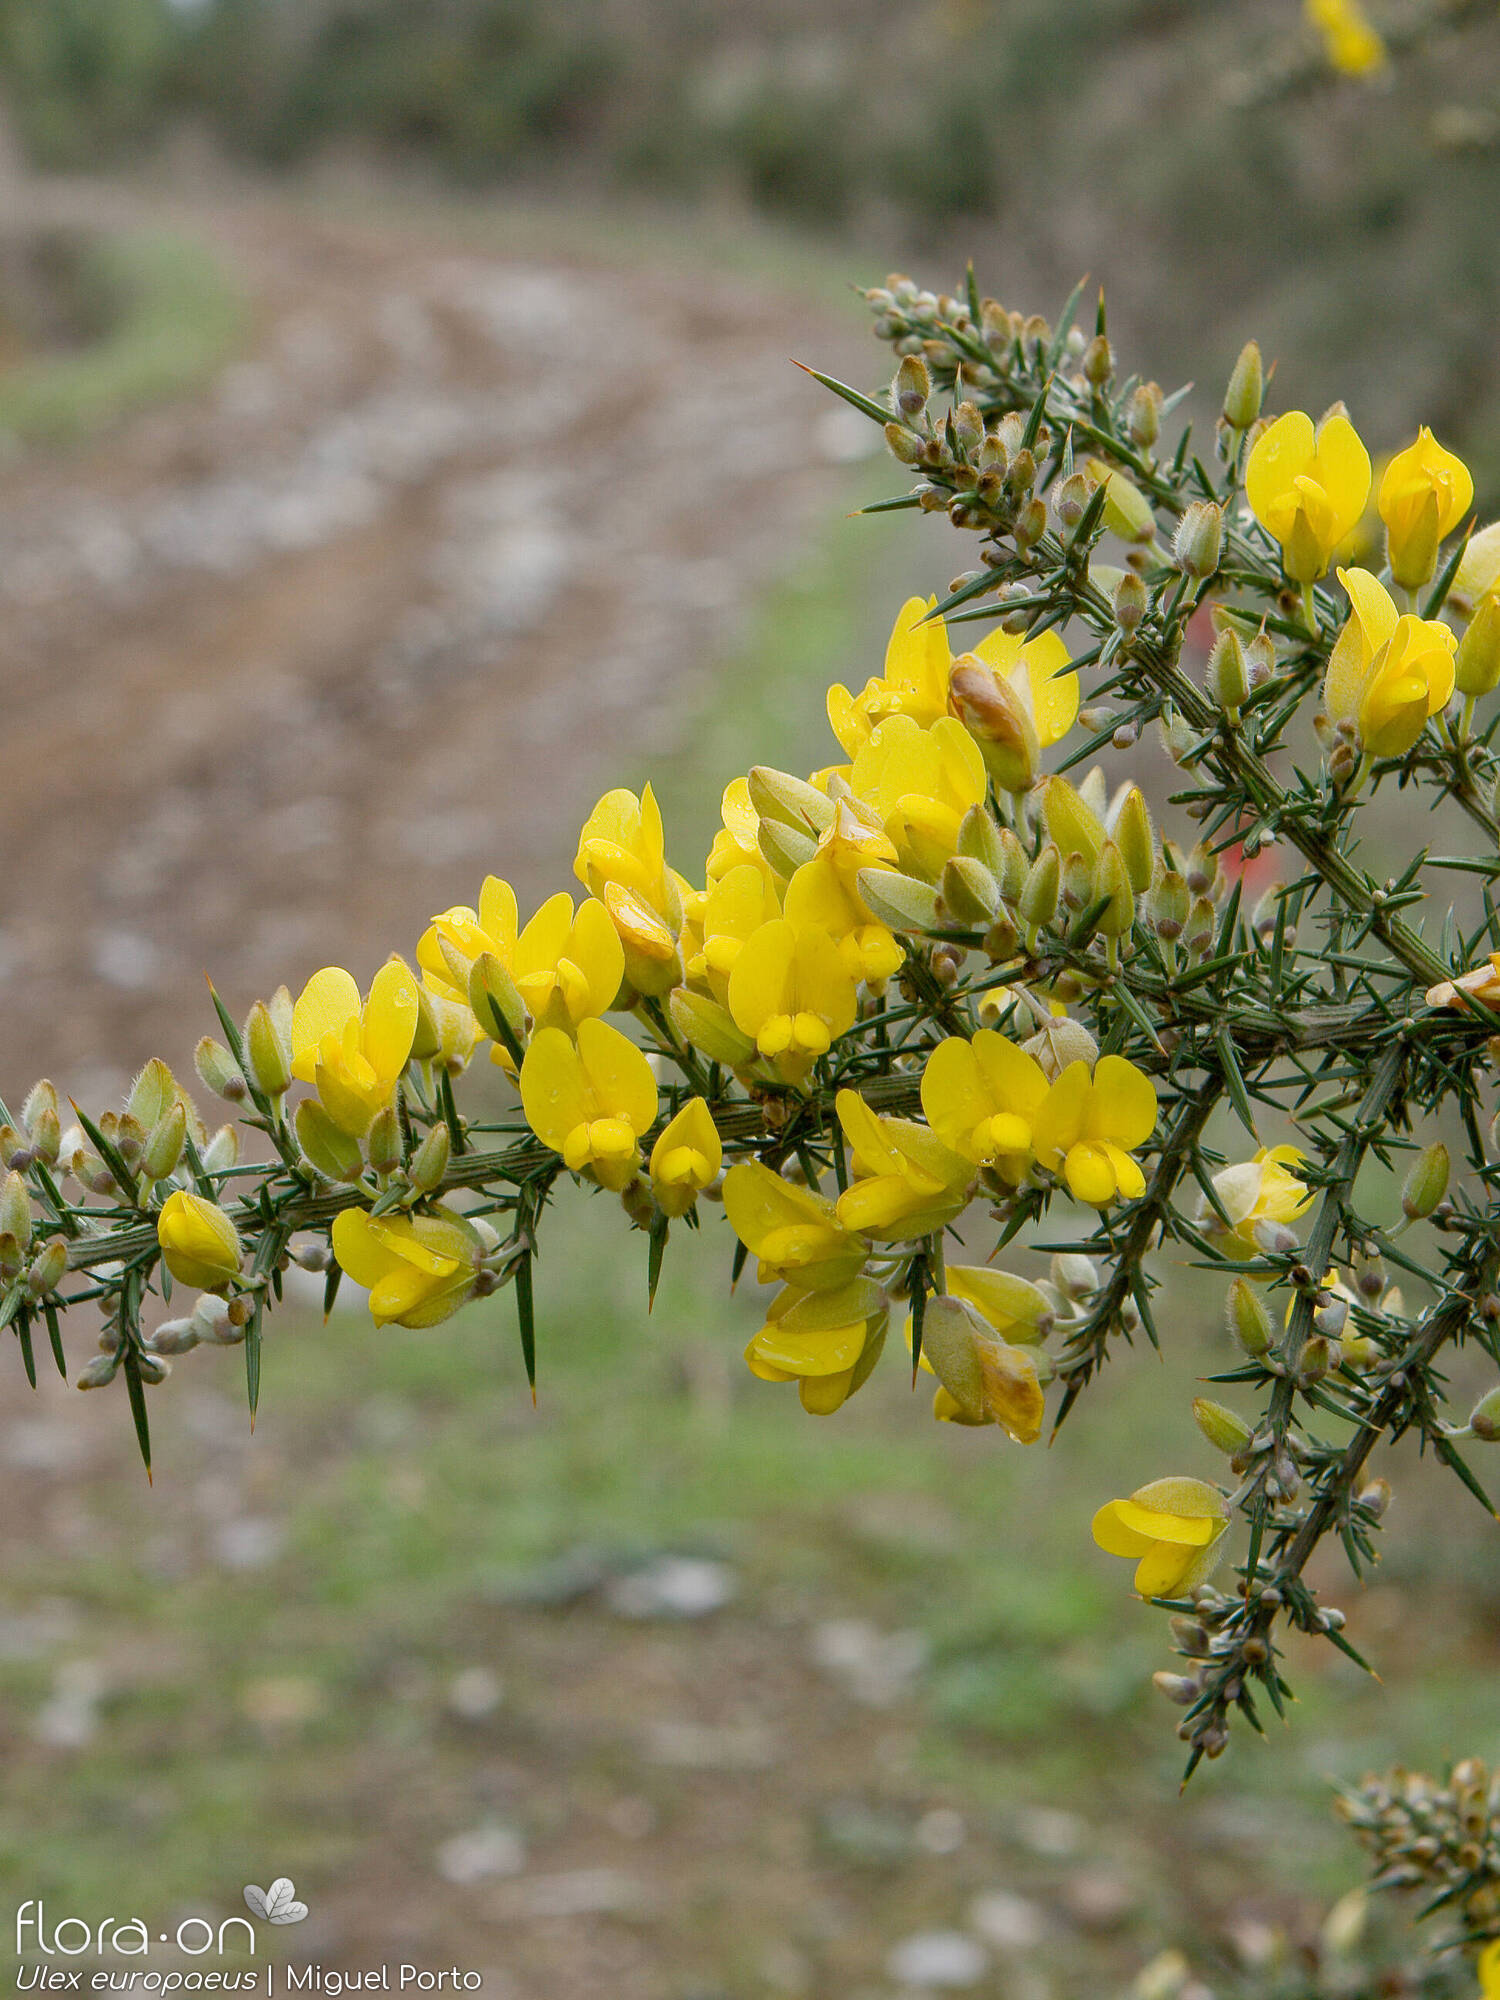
<point>1144,140</point>
<point>150,315</point>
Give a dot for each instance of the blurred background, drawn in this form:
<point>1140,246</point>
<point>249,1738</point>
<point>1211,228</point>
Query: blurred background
<point>398,446</point>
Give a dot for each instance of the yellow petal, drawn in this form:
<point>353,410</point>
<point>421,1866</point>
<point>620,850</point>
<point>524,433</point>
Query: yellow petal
<point>1123,1104</point>
<point>1163,1570</point>
<point>390,1019</point>
<point>1054,688</point>
<point>1282,450</point>
<point>1116,1536</point>
<point>325,1003</point>
<point>1059,1121</point>
<point>618,1074</point>
<point>554,1092</point>
<point>1157,1525</point>
<point>360,1251</point>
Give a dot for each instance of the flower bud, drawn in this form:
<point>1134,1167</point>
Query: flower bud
<point>152,1369</point>
<point>496,1003</point>
<point>99,1372</point>
<point>267,1052</point>
<point>49,1267</point>
<point>1112,879</point>
<point>383,1140</point>
<point>1078,889</point>
<point>1313,1364</point>
<point>778,796</point>
<point>164,1144</point>
<point>1180,1688</point>
<point>1070,497</point>
<point>1061,1041</point>
<point>1199,540</point>
<point>1071,821</point>
<point>1228,674</point>
<point>1130,602</point>
<point>968,893</point>
<point>1166,906</point>
<point>998,721</point>
<point>1224,1430</point>
<point>1476,664</point>
<point>1075,1276</point>
<point>1037,902</point>
<point>784,848</point>
<point>980,838</point>
<point>900,902</point>
<point>1484,1420</point>
<point>1247,385</point>
<point>1031,523</point>
<point>707,1027</point>
<point>327,1149</point>
<point>1426,1182</point>
<point>1143,415</point>
<point>15,1210</point>
<point>1249,1321</point>
<point>222,1150</point>
<point>218,1071</point>
<point>219,1322</point>
<point>912,387</point>
<point>174,1336</point>
<point>1098,361</point>
<point>1127,511</point>
<point>430,1161</point>
<point>200,1246</point>
<point>1135,839</point>
<point>904,444</point>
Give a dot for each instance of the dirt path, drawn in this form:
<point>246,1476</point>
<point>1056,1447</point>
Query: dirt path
<point>446,551</point>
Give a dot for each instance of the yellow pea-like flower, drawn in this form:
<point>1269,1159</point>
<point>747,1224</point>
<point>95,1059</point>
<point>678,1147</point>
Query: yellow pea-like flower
<point>821,893</point>
<point>1389,671</point>
<point>737,842</point>
<point>907,1182</point>
<point>981,1380</point>
<point>794,1232</point>
<point>1308,488</point>
<point>1482,983</point>
<point>200,1245</point>
<point>623,841</point>
<point>354,1052</point>
<point>1173,1529</point>
<point>1424,494</point>
<point>568,964</point>
<point>1262,1190</point>
<point>455,938</point>
<point>827,1342</point>
<point>589,1099</point>
<point>1478,572</point>
<point>418,1269</point>
<point>1087,1127</point>
<point>686,1158</point>
<point>790,991</point>
<point>1016,698</point>
<point>735,907</point>
<point>1351,42</point>
<point>920,783</point>
<point>982,1097</point>
<point>915,681</point>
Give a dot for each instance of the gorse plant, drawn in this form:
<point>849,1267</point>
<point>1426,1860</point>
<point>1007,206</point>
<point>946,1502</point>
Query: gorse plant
<point>938,995</point>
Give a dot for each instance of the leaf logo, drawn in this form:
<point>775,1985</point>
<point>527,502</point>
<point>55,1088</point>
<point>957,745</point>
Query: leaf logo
<point>278,1904</point>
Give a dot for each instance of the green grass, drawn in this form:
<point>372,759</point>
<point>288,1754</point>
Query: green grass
<point>173,318</point>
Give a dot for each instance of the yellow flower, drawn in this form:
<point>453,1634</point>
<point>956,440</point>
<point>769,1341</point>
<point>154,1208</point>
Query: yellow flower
<point>920,783</point>
<point>1478,572</point>
<point>456,937</point>
<point>353,1055</point>
<point>1308,490</point>
<point>1261,1190</point>
<point>568,967</point>
<point>1173,1527</point>
<point>200,1246</point>
<point>1016,698</point>
<point>1388,672</point>
<point>790,992</point>
<point>1424,494</point>
<point>735,907</point>
<point>1352,45</point>
<point>823,893</point>
<point>982,1098</point>
<point>1482,984</point>
<point>981,1380</point>
<point>685,1158</point>
<point>736,844</point>
<point>622,841</point>
<point>653,963</point>
<point>417,1268</point>
<point>1086,1128</point>
<point>589,1100</point>
<point>794,1231</point>
<point>915,681</point>
<point>908,1183</point>
<point>827,1342</point>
